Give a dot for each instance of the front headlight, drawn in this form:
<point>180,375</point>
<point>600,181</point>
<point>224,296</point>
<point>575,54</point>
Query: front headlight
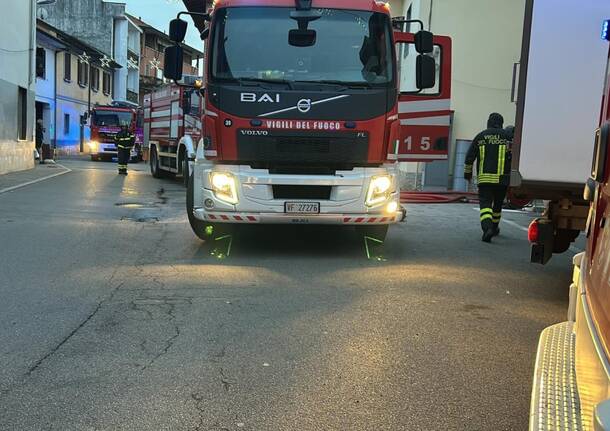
<point>224,186</point>
<point>380,190</point>
<point>93,145</point>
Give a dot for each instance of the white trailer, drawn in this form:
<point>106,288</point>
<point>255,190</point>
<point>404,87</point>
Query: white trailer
<point>559,82</point>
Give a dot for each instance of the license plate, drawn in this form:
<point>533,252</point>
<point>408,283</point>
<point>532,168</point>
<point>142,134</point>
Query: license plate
<point>302,208</point>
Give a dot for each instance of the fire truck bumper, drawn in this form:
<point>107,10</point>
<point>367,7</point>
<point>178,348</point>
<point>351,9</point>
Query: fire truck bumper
<point>329,219</point>
<point>261,197</point>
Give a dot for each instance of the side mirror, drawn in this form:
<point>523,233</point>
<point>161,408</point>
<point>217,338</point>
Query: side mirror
<point>205,34</point>
<point>186,102</point>
<point>425,75</point>
<point>177,30</point>
<point>173,62</point>
<point>302,38</point>
<point>424,42</point>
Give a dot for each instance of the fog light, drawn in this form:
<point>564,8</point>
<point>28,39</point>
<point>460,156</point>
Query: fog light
<point>208,203</point>
<point>392,207</point>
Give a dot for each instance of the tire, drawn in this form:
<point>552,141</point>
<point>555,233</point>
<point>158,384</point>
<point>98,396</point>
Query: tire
<point>205,231</point>
<point>155,170</point>
<point>564,239</point>
<point>186,174</point>
<point>94,158</point>
<point>378,232</point>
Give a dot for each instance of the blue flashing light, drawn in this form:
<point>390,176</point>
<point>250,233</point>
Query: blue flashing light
<point>606,30</point>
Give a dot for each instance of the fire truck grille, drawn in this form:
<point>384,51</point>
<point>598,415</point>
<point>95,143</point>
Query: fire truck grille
<point>296,147</point>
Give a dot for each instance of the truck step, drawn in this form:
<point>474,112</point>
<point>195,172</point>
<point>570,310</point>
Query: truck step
<point>555,399</point>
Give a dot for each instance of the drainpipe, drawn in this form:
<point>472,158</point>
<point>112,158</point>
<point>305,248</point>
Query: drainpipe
<point>32,48</point>
<point>55,107</point>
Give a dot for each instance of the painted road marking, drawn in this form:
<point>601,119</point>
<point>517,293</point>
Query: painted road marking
<point>28,183</point>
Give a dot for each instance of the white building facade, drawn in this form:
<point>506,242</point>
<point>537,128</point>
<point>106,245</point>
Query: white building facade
<point>103,25</point>
<point>17,86</point>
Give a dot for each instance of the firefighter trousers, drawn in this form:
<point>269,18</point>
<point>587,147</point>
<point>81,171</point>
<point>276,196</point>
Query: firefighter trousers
<point>124,154</point>
<point>492,198</point>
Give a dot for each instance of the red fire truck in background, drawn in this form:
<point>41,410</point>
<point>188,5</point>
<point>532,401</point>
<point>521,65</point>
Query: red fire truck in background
<point>172,129</point>
<point>308,106</point>
<point>572,379</point>
<point>105,123</point>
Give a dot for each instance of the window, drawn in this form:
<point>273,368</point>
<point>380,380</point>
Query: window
<point>22,114</point>
<point>41,63</point>
<point>95,79</point>
<point>83,74</point>
<point>106,83</point>
<point>407,56</point>
<point>66,124</point>
<point>351,46</point>
<point>67,67</point>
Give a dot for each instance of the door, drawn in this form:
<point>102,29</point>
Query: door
<point>425,115</point>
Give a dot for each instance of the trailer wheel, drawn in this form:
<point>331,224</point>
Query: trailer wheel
<point>205,231</point>
<point>564,239</point>
<point>378,232</point>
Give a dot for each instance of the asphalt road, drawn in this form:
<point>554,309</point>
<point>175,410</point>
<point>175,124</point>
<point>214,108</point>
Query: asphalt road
<point>115,317</point>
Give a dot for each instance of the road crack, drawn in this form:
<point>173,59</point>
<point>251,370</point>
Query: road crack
<point>67,338</point>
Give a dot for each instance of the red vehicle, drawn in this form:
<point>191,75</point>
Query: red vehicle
<point>172,129</point>
<point>308,107</point>
<point>105,123</point>
<point>572,379</point>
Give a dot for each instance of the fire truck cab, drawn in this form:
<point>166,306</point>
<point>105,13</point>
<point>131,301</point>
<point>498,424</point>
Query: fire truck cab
<point>105,123</point>
<point>308,107</point>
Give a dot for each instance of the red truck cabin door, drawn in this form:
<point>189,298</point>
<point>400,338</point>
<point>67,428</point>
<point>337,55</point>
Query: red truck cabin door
<point>425,115</point>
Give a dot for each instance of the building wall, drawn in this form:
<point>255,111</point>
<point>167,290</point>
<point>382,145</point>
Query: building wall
<point>100,24</point>
<point>73,102</point>
<point>17,33</point>
<point>487,36</point>
<point>45,93</point>
<point>120,56</point>
<point>91,21</point>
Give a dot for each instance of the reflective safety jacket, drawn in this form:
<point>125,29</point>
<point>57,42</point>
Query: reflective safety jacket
<point>491,150</point>
<point>125,139</point>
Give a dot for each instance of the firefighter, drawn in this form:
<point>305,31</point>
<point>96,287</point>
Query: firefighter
<point>491,150</point>
<point>124,140</point>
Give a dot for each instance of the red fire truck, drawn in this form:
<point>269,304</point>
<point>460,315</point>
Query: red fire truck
<point>105,123</point>
<point>308,107</point>
<point>172,129</point>
<point>572,378</point>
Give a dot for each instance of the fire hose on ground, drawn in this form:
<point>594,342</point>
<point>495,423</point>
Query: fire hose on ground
<point>438,197</point>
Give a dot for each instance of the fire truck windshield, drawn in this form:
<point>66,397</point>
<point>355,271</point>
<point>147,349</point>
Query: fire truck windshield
<point>351,46</point>
<point>111,118</point>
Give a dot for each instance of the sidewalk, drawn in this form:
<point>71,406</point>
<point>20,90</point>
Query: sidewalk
<point>15,180</point>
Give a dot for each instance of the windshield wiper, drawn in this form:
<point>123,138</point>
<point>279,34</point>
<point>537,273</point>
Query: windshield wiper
<point>259,81</point>
<point>347,84</point>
